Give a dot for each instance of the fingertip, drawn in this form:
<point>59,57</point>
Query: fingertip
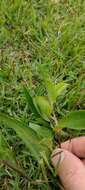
<point>76,146</point>
<point>70,169</point>
<point>57,157</point>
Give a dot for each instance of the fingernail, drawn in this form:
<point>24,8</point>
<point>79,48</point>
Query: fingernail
<point>57,157</point>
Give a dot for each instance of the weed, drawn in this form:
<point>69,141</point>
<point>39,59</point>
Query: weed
<point>34,33</point>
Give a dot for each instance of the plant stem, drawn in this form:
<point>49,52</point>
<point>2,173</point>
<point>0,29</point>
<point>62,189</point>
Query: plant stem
<point>55,119</point>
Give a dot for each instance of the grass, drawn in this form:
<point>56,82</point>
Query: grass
<point>34,33</point>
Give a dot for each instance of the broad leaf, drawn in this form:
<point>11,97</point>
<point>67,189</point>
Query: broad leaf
<point>6,152</point>
<point>28,136</point>
<point>43,107</point>
<point>73,120</point>
<point>54,90</point>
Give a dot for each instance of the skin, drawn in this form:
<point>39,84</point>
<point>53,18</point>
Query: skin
<point>71,163</point>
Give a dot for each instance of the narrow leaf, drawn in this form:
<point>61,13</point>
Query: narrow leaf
<point>47,163</point>
<point>73,120</point>
<point>30,101</point>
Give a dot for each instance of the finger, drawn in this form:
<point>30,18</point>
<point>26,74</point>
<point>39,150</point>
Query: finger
<point>70,170</point>
<point>76,146</point>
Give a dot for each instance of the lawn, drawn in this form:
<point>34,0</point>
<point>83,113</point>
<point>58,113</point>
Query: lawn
<point>38,36</point>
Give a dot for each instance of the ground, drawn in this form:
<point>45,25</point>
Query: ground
<point>33,33</point>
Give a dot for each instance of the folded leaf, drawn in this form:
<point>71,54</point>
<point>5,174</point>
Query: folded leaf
<point>54,90</point>
<point>73,120</point>
<point>43,107</point>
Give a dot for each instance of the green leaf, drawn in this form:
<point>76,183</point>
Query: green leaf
<point>43,107</point>
<point>2,76</point>
<point>33,107</point>
<point>73,120</point>
<point>28,136</point>
<point>30,101</point>
<point>54,90</point>
<point>6,152</point>
<point>48,142</point>
<point>42,131</point>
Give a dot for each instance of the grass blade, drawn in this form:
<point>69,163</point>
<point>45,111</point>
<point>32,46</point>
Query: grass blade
<point>5,151</point>
<point>30,101</point>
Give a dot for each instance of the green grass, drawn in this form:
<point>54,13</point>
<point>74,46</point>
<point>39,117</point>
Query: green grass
<point>34,33</point>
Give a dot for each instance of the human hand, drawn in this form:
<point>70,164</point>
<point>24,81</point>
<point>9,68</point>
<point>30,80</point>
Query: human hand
<point>71,158</point>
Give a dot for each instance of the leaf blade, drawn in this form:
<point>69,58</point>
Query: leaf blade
<point>73,120</point>
<point>6,152</point>
<point>42,131</point>
<point>34,143</point>
<point>30,101</point>
<point>43,107</point>
<point>54,90</point>
<point>28,136</point>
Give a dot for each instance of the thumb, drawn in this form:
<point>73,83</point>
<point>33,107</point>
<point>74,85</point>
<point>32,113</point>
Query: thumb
<point>70,169</point>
